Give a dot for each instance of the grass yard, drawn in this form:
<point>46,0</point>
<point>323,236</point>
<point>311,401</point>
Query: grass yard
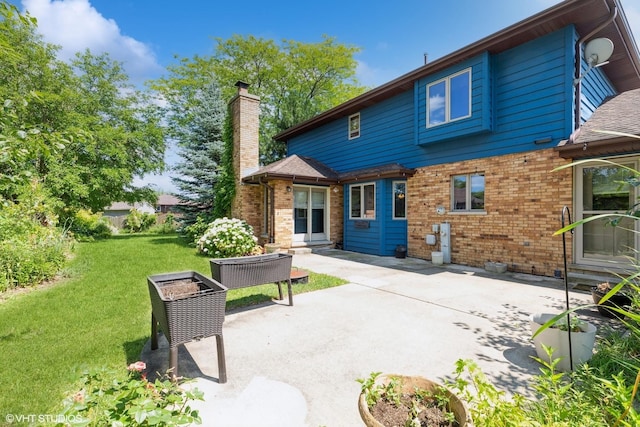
<point>98,316</point>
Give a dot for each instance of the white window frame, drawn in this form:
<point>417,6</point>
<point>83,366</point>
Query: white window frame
<point>355,132</point>
<point>447,107</point>
<point>468,204</point>
<point>363,214</point>
<point>393,199</point>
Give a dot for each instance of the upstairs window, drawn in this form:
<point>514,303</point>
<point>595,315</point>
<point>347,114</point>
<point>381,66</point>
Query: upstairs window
<point>354,126</point>
<point>467,192</point>
<point>362,201</point>
<point>449,99</point>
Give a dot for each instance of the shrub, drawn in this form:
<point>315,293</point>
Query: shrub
<point>138,221</point>
<point>167,227</point>
<point>197,229</point>
<point>32,249</point>
<point>87,226</point>
<point>226,238</point>
<point>106,398</point>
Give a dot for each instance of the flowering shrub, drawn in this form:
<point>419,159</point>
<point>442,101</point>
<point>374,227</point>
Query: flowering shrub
<point>227,238</point>
<point>107,399</point>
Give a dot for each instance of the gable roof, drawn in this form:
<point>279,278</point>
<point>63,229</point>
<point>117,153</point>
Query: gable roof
<point>623,69</point>
<point>620,113</point>
<point>168,200</point>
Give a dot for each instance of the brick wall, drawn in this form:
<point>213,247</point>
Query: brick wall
<point>245,112</point>
<point>336,215</point>
<point>523,203</point>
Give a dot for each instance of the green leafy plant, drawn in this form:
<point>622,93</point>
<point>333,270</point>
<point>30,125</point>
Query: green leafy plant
<point>32,248</point>
<point>108,399</point>
<point>371,391</point>
<point>228,237</point>
<point>138,221</point>
<point>575,324</point>
<point>197,229</point>
<point>86,225</point>
<point>395,402</point>
<point>559,401</point>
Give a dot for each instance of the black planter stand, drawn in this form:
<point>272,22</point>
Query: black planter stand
<point>187,317</point>
<point>619,300</point>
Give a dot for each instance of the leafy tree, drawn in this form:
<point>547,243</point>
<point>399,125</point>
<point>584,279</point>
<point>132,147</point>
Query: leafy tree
<point>294,80</point>
<point>200,143</point>
<point>123,139</point>
<point>79,129</point>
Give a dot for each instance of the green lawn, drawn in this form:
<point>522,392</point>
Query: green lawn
<point>98,316</point>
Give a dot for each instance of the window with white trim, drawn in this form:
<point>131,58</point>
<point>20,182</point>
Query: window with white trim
<point>399,200</point>
<point>362,201</point>
<point>354,126</point>
<point>467,192</point>
<point>449,99</point>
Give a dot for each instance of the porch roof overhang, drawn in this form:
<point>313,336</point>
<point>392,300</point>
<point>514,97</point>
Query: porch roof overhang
<point>609,131</point>
<point>299,169</point>
<point>390,170</point>
<point>307,170</point>
<point>623,69</point>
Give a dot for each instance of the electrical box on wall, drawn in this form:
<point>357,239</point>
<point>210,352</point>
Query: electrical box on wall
<point>430,239</point>
<point>435,228</point>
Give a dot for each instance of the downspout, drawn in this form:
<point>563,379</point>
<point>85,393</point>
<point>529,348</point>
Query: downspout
<point>578,65</point>
<point>271,210</point>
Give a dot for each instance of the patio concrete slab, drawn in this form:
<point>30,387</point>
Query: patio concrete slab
<point>297,366</point>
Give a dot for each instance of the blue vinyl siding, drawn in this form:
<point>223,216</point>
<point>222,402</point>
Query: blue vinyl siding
<point>596,87</point>
<point>386,133</point>
<point>530,97</point>
<point>518,96</point>
<point>480,120</point>
<point>383,233</point>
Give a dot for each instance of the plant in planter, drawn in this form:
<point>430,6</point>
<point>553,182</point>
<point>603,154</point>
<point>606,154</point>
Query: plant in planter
<point>617,300</point>
<point>552,331</point>
<point>396,400</point>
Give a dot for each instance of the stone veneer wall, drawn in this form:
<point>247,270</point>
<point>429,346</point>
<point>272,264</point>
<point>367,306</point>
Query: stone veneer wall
<point>523,204</point>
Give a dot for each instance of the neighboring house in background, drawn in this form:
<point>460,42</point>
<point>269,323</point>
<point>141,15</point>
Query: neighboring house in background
<point>123,208</point>
<point>118,211</point>
<point>469,140</point>
<point>166,203</point>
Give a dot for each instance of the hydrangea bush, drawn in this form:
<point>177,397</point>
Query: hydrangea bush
<point>228,237</point>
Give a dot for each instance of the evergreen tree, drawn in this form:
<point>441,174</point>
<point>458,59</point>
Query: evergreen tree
<point>200,144</point>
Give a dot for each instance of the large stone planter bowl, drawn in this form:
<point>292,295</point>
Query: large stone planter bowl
<point>581,342</point>
<point>409,384</point>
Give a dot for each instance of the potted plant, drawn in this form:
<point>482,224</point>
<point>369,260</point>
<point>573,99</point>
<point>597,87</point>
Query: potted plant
<point>617,300</point>
<point>390,400</point>
<point>556,336</point>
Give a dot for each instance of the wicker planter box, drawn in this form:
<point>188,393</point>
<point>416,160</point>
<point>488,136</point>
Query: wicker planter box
<point>240,272</point>
<point>188,306</point>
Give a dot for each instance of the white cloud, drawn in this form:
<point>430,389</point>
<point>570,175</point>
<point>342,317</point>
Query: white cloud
<point>75,25</point>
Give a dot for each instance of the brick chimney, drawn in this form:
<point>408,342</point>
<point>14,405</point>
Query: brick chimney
<point>245,114</point>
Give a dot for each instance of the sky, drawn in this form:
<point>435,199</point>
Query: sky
<point>393,37</point>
